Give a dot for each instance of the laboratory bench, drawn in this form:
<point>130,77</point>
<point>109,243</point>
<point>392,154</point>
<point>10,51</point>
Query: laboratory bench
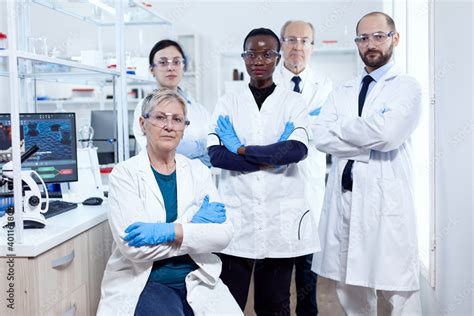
<point>57,270</point>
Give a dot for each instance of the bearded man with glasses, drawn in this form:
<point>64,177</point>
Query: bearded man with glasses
<point>368,222</point>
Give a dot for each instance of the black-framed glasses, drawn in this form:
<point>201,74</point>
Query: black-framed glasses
<point>293,41</point>
<point>161,119</point>
<point>377,37</point>
<point>267,56</point>
<point>164,63</point>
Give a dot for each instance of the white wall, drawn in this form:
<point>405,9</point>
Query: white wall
<point>454,124</point>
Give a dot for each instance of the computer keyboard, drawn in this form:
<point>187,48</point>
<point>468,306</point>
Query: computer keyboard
<point>57,207</point>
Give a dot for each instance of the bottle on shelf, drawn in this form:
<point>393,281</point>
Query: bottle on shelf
<point>3,41</point>
<point>235,75</point>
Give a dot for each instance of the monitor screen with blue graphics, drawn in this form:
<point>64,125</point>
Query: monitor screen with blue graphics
<point>54,134</point>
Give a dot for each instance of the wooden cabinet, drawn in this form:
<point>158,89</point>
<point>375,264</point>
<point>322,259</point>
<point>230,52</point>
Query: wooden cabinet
<point>65,280</point>
<point>100,247</point>
<point>72,304</point>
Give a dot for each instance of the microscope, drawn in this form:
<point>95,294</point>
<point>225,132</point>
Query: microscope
<point>34,205</point>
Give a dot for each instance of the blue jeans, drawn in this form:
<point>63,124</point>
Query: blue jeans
<point>160,299</point>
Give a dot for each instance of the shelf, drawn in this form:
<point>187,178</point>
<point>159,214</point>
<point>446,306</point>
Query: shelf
<point>102,12</point>
<point>80,101</point>
<point>335,50</point>
<point>32,66</point>
<point>135,80</point>
<point>44,60</point>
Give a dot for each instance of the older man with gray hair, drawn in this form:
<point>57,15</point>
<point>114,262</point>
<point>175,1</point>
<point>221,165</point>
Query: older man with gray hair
<point>297,39</point>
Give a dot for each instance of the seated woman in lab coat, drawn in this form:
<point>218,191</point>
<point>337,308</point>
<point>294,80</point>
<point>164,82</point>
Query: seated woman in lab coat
<point>165,226</point>
<point>167,65</point>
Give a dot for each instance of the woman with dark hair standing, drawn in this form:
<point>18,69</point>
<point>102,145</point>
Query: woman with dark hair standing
<point>167,64</point>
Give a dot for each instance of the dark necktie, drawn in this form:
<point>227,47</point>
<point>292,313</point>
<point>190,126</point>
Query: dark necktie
<point>296,80</point>
<point>347,173</point>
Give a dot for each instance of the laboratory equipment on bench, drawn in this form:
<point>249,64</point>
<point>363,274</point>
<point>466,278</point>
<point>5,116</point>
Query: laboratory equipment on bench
<point>34,205</point>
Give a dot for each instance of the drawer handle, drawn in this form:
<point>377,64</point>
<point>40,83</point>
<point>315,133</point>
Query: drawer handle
<point>63,261</point>
<point>71,311</point>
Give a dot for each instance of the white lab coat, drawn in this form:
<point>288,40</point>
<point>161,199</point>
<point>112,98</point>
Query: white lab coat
<point>382,251</point>
<point>316,89</point>
<point>267,208</point>
<point>136,197</point>
<point>197,129</point>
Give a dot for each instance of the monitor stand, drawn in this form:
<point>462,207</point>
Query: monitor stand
<point>89,180</point>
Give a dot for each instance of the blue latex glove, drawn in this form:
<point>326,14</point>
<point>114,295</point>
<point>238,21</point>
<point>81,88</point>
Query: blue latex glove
<point>192,148</point>
<point>227,134</point>
<point>141,234</point>
<point>205,159</point>
<point>289,127</point>
<point>213,212</point>
<point>315,112</point>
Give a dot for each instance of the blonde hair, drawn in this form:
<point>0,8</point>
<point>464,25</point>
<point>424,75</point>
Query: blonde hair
<point>159,96</point>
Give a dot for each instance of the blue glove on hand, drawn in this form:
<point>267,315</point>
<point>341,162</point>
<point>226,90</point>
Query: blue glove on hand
<point>141,234</point>
<point>315,112</point>
<point>192,148</point>
<point>289,127</point>
<point>213,212</point>
<point>227,134</point>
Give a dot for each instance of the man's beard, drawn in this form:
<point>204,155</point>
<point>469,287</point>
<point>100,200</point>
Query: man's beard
<point>380,60</point>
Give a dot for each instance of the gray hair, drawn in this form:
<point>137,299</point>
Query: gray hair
<point>283,28</point>
<point>159,96</point>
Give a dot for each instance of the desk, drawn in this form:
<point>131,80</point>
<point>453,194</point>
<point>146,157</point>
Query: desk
<point>58,269</point>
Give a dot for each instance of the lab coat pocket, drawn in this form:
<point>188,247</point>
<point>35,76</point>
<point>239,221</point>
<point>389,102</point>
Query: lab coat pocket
<point>387,198</point>
<point>234,212</point>
<point>296,220</point>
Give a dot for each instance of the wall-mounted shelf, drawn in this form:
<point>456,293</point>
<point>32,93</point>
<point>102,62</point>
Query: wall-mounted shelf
<point>92,101</point>
<point>102,12</point>
<point>133,80</point>
<point>32,66</point>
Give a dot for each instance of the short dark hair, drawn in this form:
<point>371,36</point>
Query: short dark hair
<point>262,31</point>
<point>389,20</point>
<point>162,45</point>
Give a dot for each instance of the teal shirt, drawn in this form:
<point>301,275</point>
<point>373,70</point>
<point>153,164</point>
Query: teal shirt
<point>172,271</point>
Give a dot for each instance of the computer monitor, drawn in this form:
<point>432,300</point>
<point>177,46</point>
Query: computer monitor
<point>54,134</point>
<point>102,121</point>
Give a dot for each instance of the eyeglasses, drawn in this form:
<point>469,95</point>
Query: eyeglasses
<point>267,56</point>
<point>164,63</point>
<point>377,37</point>
<point>160,119</point>
<point>293,41</point>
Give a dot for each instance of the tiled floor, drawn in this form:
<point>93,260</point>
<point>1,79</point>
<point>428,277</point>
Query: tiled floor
<point>328,303</point>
